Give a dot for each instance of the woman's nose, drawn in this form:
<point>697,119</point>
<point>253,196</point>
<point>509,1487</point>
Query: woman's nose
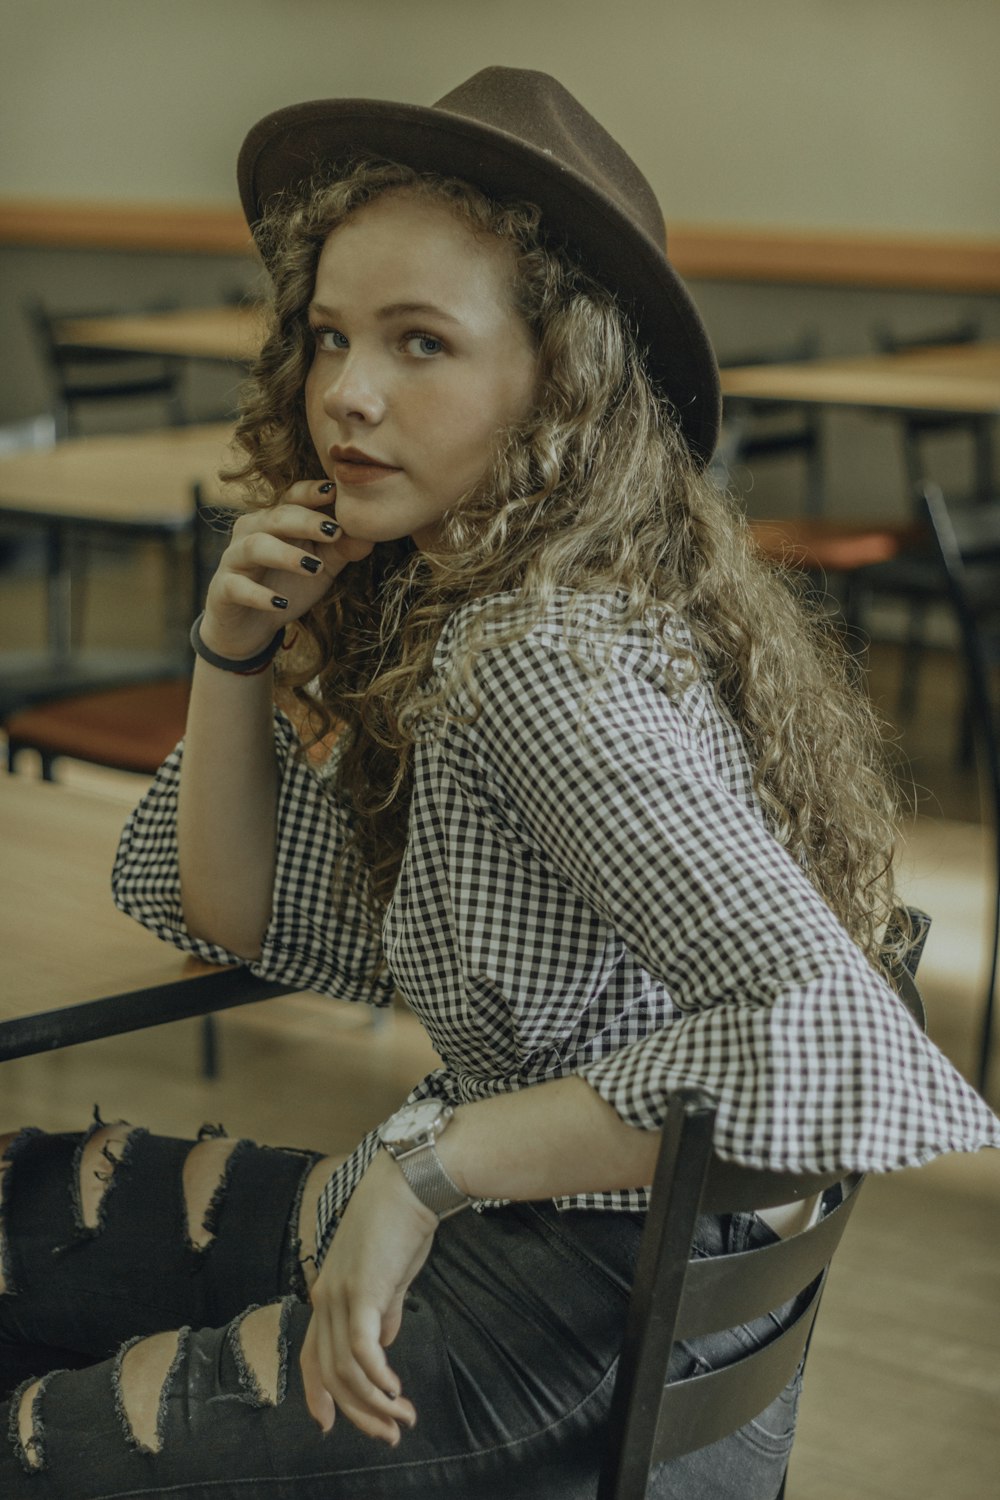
<point>354,392</point>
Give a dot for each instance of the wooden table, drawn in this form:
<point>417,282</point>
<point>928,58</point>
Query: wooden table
<point>963,378</point>
<point>950,378</point>
<point>135,484</point>
<point>74,967</point>
<point>226,334</point>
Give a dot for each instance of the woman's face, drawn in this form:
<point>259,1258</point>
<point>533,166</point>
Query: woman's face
<point>420,360</point>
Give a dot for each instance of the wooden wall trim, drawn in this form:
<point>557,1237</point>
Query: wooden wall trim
<point>716,252</point>
<point>701,252</point>
<point>171,227</point>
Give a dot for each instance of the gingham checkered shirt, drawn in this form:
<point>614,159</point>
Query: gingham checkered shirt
<point>589,886</point>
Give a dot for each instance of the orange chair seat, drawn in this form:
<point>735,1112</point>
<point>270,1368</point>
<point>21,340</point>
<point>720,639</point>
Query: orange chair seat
<point>131,728</point>
<point>831,546</point>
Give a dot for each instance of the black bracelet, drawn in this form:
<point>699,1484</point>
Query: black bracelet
<point>247,668</point>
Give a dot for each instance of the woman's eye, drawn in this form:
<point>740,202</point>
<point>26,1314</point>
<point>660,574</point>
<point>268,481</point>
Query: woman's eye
<point>423,344</point>
<point>328,339</point>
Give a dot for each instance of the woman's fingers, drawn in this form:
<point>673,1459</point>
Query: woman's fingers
<point>343,1367</point>
<point>318,1398</point>
<point>279,563</point>
<point>314,493</point>
<point>257,551</point>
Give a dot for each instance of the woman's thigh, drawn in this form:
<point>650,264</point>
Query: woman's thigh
<point>507,1346</point>
<point>116,1232</point>
<point>507,1349</point>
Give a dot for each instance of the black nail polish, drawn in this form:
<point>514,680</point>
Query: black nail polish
<point>325,489</point>
<point>329,528</point>
<point>311,564</point>
<point>279,602</point>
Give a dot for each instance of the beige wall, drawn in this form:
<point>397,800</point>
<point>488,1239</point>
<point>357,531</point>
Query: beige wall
<point>878,114</point>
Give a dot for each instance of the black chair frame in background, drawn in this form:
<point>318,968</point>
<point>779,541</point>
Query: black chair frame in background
<point>674,1297</point>
<point>82,377</point>
<point>915,577</point>
<point>71,722</point>
<point>775,430</point>
<point>968,542</point>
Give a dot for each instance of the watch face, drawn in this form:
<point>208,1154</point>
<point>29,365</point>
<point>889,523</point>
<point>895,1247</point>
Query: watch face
<point>413,1120</point>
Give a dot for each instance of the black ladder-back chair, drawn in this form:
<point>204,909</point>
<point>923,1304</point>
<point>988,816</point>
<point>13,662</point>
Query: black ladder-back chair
<point>968,541</point>
<point>915,577</point>
<point>675,1297</point>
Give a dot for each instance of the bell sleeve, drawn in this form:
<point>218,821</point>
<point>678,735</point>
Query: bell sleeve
<point>313,941</point>
<point>814,1061</point>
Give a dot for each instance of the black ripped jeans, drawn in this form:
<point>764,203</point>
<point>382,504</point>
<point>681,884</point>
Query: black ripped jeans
<point>507,1346</point>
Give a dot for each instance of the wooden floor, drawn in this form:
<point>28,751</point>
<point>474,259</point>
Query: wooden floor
<point>902,1399</point>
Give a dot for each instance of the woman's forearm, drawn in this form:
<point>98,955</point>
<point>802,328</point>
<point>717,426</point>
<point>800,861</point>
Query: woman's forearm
<point>226,814</point>
<point>552,1140</point>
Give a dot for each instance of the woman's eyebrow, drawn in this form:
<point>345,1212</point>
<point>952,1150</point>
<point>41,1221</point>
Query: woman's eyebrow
<point>392,310</point>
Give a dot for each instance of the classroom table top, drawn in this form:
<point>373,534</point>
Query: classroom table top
<point>133,478</point>
<point>215,333</point>
<point>74,967</point>
<point>950,378</point>
<point>953,377</point>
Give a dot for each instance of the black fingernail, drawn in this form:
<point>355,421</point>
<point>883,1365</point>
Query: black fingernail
<point>329,528</point>
<point>311,564</point>
<point>279,602</point>
<point>325,489</point>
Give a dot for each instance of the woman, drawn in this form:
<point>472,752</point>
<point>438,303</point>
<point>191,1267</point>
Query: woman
<point>599,803</point>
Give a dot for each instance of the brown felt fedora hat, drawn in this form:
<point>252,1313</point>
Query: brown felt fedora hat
<point>514,132</point>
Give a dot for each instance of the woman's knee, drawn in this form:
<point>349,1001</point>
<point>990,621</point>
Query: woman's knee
<point>102,1152</point>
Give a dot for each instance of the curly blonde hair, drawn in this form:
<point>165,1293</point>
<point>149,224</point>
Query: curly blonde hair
<point>594,491</point>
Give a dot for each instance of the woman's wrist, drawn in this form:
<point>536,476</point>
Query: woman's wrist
<point>241,666</point>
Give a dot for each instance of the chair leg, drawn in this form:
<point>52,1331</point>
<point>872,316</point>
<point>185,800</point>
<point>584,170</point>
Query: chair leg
<point>209,1047</point>
<point>913,648</point>
<point>986,1037</point>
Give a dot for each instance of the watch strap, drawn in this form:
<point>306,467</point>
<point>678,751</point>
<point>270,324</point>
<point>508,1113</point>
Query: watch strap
<point>430,1182</point>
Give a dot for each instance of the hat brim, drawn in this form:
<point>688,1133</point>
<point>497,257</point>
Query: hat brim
<point>285,148</point>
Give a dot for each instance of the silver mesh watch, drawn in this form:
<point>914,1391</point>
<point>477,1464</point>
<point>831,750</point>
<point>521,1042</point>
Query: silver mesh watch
<point>409,1137</point>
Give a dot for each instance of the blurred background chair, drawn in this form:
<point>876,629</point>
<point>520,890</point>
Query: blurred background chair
<point>131,726</point>
<point>918,430</point>
<point>914,578</point>
<point>834,554</point>
<point>128,725</point>
<point>968,546</point>
<point>130,392</point>
<point>133,389</point>
<point>762,432</point>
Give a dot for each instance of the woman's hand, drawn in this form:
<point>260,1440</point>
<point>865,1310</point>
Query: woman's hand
<point>381,1242</point>
<point>292,551</point>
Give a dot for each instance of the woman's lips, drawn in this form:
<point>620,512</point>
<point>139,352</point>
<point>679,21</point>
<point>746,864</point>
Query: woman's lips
<point>356,471</point>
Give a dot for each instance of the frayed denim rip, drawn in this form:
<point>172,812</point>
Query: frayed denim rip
<point>474,1323</point>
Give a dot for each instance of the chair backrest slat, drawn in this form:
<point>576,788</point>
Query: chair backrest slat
<point>724,1291</point>
<point>678,1296</point>
<point>707,1407</point>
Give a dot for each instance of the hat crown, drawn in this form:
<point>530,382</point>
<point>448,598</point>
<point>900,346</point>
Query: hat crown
<point>516,133</point>
<point>536,109</point>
